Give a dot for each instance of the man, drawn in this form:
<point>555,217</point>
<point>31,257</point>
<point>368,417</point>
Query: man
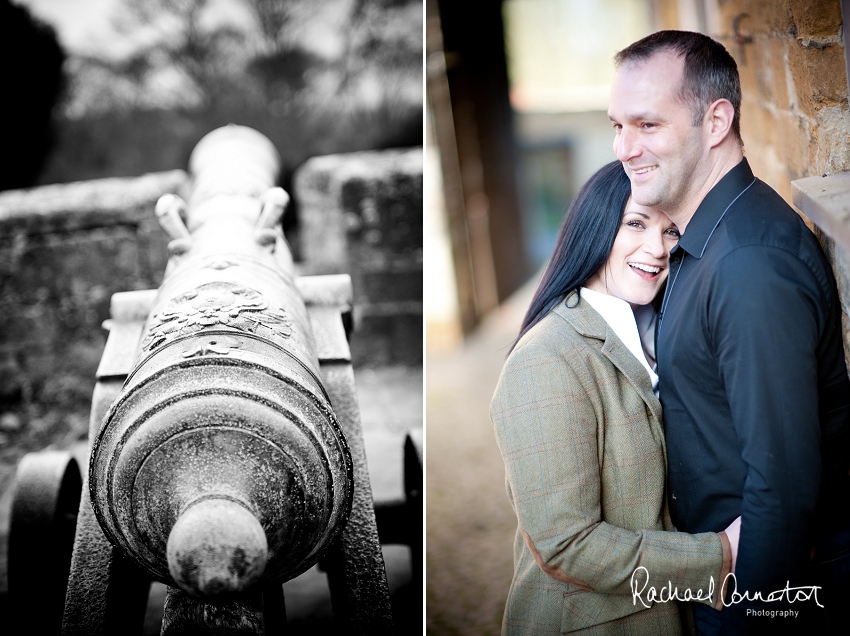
<point>753,379</point>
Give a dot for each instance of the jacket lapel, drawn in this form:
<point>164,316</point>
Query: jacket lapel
<point>587,321</point>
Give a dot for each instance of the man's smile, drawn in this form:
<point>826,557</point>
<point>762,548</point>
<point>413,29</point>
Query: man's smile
<point>644,170</point>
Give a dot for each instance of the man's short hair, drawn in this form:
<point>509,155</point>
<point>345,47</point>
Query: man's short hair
<point>710,73</point>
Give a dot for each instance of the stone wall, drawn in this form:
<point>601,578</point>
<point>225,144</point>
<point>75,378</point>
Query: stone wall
<point>361,214</point>
<point>64,250</point>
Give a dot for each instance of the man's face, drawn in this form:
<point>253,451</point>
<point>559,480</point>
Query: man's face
<point>663,154</point>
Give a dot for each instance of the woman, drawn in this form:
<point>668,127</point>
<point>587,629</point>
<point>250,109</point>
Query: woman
<point>579,428</point>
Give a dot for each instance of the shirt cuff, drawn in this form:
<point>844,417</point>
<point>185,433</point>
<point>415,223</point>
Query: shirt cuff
<point>725,569</point>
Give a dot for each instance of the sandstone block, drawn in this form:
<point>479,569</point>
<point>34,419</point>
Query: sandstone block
<point>766,17</point>
<point>816,17</point>
<point>796,142</point>
<point>819,75</point>
<point>833,151</point>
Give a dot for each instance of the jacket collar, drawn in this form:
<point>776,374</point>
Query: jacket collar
<point>587,321</point>
<point>712,209</point>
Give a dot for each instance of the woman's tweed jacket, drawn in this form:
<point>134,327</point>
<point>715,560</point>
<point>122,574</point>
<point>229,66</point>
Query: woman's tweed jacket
<point>580,432</point>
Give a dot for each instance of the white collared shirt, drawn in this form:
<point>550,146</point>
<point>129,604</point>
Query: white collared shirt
<point>635,328</point>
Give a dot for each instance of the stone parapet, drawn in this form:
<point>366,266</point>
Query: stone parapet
<point>83,205</point>
<point>361,214</point>
<point>64,250</point>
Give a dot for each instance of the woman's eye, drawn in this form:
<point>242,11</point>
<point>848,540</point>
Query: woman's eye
<point>674,233</point>
<point>633,223</point>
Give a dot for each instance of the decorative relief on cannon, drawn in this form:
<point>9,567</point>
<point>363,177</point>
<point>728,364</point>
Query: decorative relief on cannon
<point>217,303</point>
<point>215,345</point>
<point>219,264</point>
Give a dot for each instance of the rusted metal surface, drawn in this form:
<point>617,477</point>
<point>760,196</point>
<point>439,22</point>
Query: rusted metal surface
<point>222,462</point>
<point>107,592</point>
<point>261,612</point>
<point>104,585</point>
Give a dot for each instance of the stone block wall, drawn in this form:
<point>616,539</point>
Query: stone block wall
<point>361,214</point>
<point>64,250</point>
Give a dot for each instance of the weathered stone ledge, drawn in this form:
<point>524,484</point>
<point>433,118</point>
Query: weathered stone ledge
<point>85,205</point>
<point>826,201</point>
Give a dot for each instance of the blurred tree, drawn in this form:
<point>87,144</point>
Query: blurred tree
<point>273,17</point>
<point>208,56</point>
<point>383,36</point>
<point>32,81</point>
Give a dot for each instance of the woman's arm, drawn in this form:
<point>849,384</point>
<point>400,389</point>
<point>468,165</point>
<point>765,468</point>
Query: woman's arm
<point>546,428</point>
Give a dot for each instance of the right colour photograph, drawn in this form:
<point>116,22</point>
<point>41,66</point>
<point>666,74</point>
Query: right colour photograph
<point>637,299</point>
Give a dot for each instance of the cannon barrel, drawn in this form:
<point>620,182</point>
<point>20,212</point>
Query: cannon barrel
<point>222,464</point>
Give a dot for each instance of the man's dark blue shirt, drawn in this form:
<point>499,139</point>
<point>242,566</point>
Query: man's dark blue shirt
<point>753,380</point>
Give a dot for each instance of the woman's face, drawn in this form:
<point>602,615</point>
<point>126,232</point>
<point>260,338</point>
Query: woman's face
<point>637,265</point>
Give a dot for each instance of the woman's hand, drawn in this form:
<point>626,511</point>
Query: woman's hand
<point>733,533</point>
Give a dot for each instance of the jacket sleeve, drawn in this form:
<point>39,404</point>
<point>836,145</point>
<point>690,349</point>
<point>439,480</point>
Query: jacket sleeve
<point>547,431</point>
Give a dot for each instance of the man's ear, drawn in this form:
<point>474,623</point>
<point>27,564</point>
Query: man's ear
<point>718,121</point>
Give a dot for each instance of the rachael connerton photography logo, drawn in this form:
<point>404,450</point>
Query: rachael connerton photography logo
<point>647,594</point>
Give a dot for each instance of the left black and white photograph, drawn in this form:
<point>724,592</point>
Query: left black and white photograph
<point>211,317</point>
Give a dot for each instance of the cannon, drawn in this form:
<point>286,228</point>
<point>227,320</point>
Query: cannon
<point>227,454</point>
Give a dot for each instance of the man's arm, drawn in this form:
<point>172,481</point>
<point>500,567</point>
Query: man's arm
<point>765,314</point>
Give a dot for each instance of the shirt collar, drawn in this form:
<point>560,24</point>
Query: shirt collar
<point>620,317</point>
<point>589,323</point>
<point>713,207</point>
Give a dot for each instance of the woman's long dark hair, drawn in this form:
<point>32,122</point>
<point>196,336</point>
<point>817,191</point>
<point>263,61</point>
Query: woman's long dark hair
<point>584,241</point>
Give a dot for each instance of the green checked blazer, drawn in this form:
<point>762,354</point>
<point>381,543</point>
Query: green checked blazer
<point>579,429</point>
